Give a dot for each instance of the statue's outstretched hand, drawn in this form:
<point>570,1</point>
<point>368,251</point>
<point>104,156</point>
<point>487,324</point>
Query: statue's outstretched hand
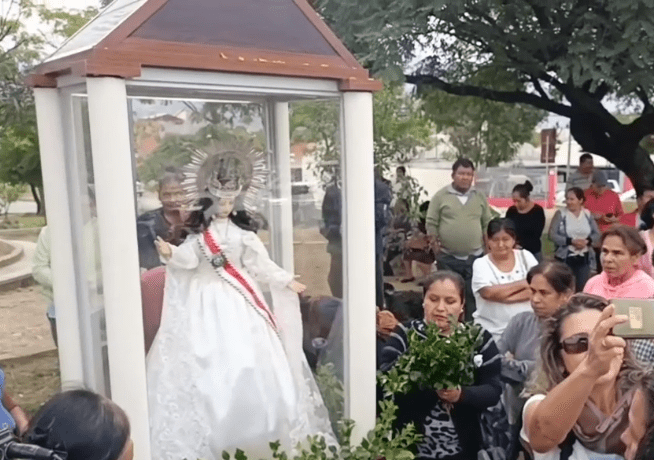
<point>296,286</point>
<point>164,248</point>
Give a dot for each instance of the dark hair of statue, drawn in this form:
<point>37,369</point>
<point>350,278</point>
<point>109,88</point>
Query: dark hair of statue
<point>198,221</point>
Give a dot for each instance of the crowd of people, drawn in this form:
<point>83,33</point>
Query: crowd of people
<point>548,369</point>
<point>568,387</point>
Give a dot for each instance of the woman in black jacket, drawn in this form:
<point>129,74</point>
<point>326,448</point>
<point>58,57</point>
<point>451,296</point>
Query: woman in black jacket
<point>448,419</point>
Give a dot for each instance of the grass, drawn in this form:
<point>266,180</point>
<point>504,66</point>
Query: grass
<point>32,380</point>
<point>547,247</point>
<point>22,221</point>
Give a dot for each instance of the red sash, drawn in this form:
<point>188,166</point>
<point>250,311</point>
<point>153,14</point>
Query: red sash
<point>235,275</point>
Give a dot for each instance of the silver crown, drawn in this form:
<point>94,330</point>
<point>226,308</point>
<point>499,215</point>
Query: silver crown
<point>225,174</point>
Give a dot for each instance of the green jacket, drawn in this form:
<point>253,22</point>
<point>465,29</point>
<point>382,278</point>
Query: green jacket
<point>459,228</point>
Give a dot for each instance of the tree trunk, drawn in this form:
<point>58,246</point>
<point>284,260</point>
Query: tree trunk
<point>41,191</point>
<point>617,146</point>
<point>40,209</point>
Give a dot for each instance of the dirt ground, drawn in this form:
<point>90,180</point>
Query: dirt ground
<point>32,380</point>
<point>27,352</point>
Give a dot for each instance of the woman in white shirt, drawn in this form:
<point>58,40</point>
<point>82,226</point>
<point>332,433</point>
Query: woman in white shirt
<point>499,279</point>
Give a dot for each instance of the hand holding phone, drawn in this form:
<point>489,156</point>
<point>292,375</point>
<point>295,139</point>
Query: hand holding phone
<point>641,318</point>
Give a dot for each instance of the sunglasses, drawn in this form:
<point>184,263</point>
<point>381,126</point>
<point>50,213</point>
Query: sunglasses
<point>575,344</point>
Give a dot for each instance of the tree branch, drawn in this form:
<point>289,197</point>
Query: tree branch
<point>642,95</point>
<point>520,97</point>
<point>539,88</point>
<point>540,14</point>
<point>642,126</point>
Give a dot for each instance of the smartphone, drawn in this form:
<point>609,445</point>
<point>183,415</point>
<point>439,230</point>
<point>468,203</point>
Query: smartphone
<point>640,324</point>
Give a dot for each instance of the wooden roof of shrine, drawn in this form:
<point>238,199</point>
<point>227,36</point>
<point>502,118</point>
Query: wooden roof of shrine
<point>265,37</point>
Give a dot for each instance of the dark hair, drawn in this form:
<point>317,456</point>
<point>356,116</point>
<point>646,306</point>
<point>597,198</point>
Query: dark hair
<point>579,193</point>
<point>446,275</point>
<point>645,449</point>
<point>647,214</point>
<point>523,189</point>
<point>198,221</point>
<point>629,236</point>
<point>401,168</point>
<point>81,423</point>
<point>585,157</point>
<point>557,274</point>
<point>462,162</point>
<point>170,176</point>
<point>498,224</point>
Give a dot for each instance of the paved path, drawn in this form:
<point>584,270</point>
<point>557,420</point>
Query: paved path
<point>22,207</point>
<point>22,268</point>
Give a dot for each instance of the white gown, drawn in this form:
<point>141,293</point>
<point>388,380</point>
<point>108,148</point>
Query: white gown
<point>220,375</point>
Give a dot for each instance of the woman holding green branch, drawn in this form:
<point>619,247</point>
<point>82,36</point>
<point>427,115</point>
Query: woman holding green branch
<point>448,418</point>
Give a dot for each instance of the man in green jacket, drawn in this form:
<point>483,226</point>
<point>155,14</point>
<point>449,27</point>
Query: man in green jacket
<point>456,220</point>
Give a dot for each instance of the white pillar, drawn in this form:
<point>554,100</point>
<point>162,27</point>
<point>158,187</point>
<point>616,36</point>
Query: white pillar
<point>283,214</point>
<point>112,163</point>
<point>359,261</point>
<point>53,165</point>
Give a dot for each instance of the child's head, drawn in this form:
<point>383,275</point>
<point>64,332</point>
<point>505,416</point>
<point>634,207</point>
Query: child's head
<point>85,425</point>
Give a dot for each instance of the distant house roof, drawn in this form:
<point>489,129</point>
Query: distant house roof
<point>267,37</point>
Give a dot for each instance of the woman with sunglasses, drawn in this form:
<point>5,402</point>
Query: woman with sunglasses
<point>583,389</point>
<point>621,250</point>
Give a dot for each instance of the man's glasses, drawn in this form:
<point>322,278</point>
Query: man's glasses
<point>575,344</point>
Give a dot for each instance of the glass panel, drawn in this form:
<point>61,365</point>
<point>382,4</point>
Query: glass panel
<point>91,34</point>
<point>239,23</point>
<point>87,252</point>
<point>216,331</point>
<point>317,217</point>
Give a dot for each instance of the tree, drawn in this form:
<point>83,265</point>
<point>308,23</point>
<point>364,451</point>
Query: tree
<point>487,132</point>
<point>9,194</point>
<point>20,161</point>
<point>570,58</point>
<point>401,130</point>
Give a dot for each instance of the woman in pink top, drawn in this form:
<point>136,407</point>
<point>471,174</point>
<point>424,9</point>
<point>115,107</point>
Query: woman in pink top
<point>647,216</point>
<point>622,247</point>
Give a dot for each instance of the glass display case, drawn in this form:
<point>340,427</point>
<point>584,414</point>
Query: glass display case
<point>123,107</point>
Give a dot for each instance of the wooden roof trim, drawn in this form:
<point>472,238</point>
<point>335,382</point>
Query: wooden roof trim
<point>61,66</point>
<point>155,53</point>
<point>41,81</point>
<point>326,32</point>
<point>357,84</point>
<point>132,23</point>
